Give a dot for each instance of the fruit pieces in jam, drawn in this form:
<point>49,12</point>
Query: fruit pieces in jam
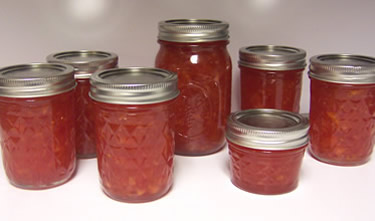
<point>38,140</point>
<point>135,146</point>
<point>85,138</point>
<point>342,122</point>
<point>204,80</point>
<point>265,171</point>
<point>270,89</point>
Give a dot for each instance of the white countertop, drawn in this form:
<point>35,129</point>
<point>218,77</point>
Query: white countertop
<point>202,191</point>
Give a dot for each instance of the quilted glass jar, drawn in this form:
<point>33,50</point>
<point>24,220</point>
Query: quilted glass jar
<point>134,119</point>
<point>266,148</point>
<point>37,124</point>
<point>85,63</point>
<point>342,108</point>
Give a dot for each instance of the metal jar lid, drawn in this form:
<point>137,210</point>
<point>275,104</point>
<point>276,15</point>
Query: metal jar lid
<point>267,129</point>
<point>343,68</point>
<point>133,85</point>
<point>193,30</point>
<point>36,80</point>
<point>272,57</point>
<point>85,62</point>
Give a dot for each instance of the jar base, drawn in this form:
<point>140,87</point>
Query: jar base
<point>204,153</point>
<point>263,190</point>
<point>44,187</point>
<point>336,163</point>
<point>86,156</point>
<point>137,200</point>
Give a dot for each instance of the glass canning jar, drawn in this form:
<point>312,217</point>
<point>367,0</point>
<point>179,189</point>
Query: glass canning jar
<point>196,50</point>
<point>37,124</point>
<point>85,63</point>
<point>271,77</point>
<point>342,108</point>
<point>134,117</point>
<point>266,148</point>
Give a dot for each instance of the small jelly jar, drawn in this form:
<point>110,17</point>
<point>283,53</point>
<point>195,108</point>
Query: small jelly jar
<point>37,124</point>
<point>134,121</point>
<point>266,148</point>
<point>342,108</point>
<point>271,77</point>
<point>196,50</point>
<point>85,63</point>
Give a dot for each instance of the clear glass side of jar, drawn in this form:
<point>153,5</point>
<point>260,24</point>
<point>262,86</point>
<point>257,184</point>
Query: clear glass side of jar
<point>204,72</point>
<point>270,89</point>
<point>38,140</point>
<point>135,147</point>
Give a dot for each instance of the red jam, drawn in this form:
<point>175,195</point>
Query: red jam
<point>204,79</point>
<point>342,126</point>
<point>38,140</point>
<point>85,139</point>
<point>264,171</point>
<point>135,145</point>
<point>270,89</point>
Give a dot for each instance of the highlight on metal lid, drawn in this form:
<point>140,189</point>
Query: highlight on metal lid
<point>272,57</point>
<point>133,85</point>
<point>343,68</point>
<point>267,129</point>
<point>193,30</point>
<point>36,80</point>
<point>85,62</point>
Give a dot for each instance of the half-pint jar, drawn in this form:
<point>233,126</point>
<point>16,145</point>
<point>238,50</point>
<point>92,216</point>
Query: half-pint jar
<point>134,117</point>
<point>85,63</point>
<point>266,148</point>
<point>196,50</point>
<point>342,108</point>
<point>37,124</point>
<point>271,77</point>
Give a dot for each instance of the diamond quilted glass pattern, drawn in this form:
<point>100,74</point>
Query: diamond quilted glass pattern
<point>135,146</point>
<point>85,139</point>
<point>38,140</point>
<point>265,172</point>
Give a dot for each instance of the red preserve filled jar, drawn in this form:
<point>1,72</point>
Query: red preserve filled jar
<point>196,50</point>
<point>37,124</point>
<point>342,108</point>
<point>266,147</point>
<point>134,117</point>
<point>271,77</point>
<point>85,63</point>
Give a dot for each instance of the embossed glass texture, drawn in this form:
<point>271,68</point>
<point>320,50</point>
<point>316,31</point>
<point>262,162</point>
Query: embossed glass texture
<point>38,140</point>
<point>85,138</point>
<point>204,79</point>
<point>265,171</point>
<point>270,89</point>
<point>135,146</point>
<point>342,122</point>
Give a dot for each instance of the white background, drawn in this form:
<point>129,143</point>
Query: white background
<point>30,30</point>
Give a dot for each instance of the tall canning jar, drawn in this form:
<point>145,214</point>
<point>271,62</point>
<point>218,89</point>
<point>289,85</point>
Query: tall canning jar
<point>134,117</point>
<point>85,63</point>
<point>196,50</point>
<point>37,124</point>
<point>271,77</point>
<point>342,108</point>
